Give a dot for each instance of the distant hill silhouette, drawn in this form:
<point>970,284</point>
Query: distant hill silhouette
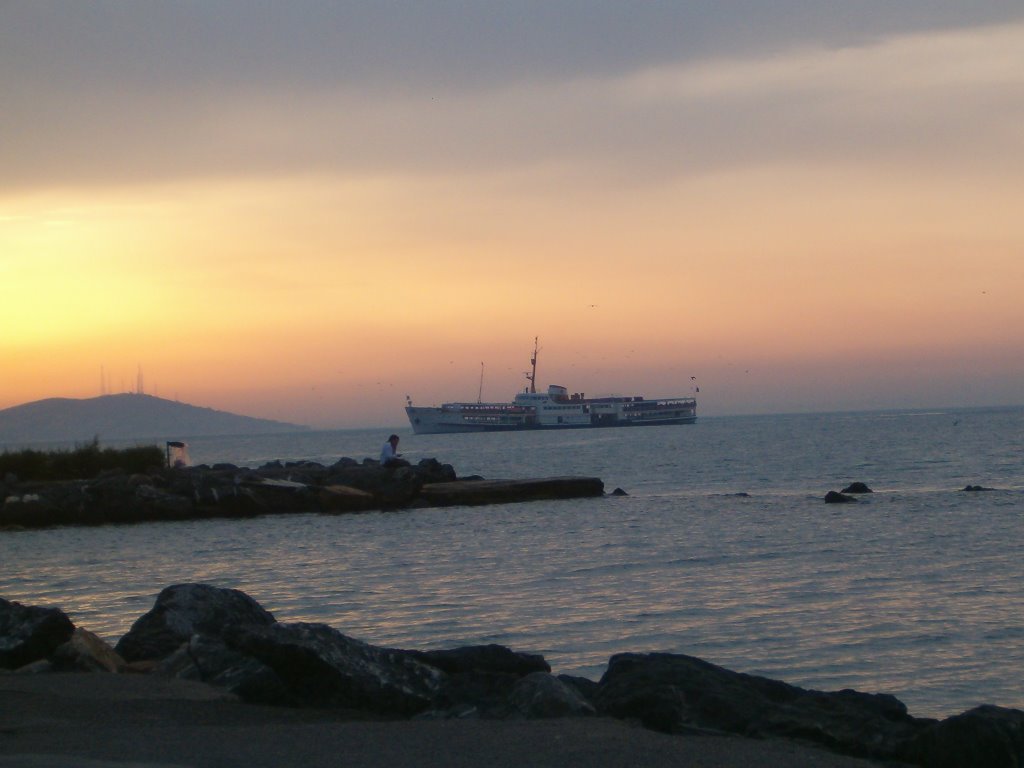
<point>124,416</point>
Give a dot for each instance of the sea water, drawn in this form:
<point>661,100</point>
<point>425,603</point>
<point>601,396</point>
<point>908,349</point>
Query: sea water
<point>723,549</point>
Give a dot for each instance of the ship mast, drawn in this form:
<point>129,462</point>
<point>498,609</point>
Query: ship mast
<point>480,392</point>
<point>532,375</point>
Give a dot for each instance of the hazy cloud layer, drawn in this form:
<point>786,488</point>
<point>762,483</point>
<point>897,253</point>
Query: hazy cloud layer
<point>117,92</point>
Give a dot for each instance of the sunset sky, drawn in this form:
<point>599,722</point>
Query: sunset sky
<point>308,210</point>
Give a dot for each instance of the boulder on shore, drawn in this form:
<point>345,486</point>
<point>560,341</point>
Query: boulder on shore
<point>987,736</point>
<point>183,610</point>
<point>30,633</point>
<point>85,652</point>
<point>319,666</point>
<point>226,639</point>
<point>676,693</point>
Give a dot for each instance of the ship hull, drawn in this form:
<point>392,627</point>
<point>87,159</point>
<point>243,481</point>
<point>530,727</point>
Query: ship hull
<point>451,420</point>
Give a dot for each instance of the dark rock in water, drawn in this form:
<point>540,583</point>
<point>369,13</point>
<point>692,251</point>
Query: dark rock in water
<point>857,487</point>
<point>983,737</point>
<point>834,497</point>
<point>618,492</point>
<point>433,471</point>
<point>319,666</point>
<point>540,695</point>
<point>183,610</point>
<point>675,693</point>
<point>974,488</point>
<point>29,633</point>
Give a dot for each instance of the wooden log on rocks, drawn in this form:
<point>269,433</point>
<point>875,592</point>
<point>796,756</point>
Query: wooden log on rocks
<point>476,492</point>
<point>344,498</point>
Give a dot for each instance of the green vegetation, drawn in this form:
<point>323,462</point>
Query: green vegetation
<point>81,463</point>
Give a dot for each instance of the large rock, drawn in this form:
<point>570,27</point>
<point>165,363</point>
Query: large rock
<point>30,633</point>
<point>319,666</point>
<point>85,652</point>
<point>676,693</point>
<point>183,610</point>
<point>210,660</point>
<point>433,471</point>
<point>542,695</point>
<point>480,679</point>
<point>983,737</point>
<point>316,665</point>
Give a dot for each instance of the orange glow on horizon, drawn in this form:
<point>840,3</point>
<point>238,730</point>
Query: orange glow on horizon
<point>335,308</point>
<point>781,228</point>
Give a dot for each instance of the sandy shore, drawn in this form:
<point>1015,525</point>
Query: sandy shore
<point>93,720</point>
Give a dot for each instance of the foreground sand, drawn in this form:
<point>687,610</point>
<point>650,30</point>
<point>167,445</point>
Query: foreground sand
<point>93,720</point>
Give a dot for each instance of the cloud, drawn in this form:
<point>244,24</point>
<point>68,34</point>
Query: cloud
<point>140,93</point>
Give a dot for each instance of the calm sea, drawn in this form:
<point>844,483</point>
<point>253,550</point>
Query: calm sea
<point>723,549</point>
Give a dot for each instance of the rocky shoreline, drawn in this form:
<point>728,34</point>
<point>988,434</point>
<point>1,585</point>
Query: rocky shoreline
<point>226,491</point>
<point>225,639</point>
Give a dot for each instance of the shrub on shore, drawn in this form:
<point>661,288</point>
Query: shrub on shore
<point>81,463</point>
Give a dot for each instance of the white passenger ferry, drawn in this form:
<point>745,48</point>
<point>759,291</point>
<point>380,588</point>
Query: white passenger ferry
<point>554,409</point>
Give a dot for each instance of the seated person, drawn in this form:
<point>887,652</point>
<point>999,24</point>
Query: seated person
<point>389,455</point>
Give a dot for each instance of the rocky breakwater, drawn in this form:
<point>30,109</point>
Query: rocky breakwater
<point>225,490</point>
<point>226,639</point>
